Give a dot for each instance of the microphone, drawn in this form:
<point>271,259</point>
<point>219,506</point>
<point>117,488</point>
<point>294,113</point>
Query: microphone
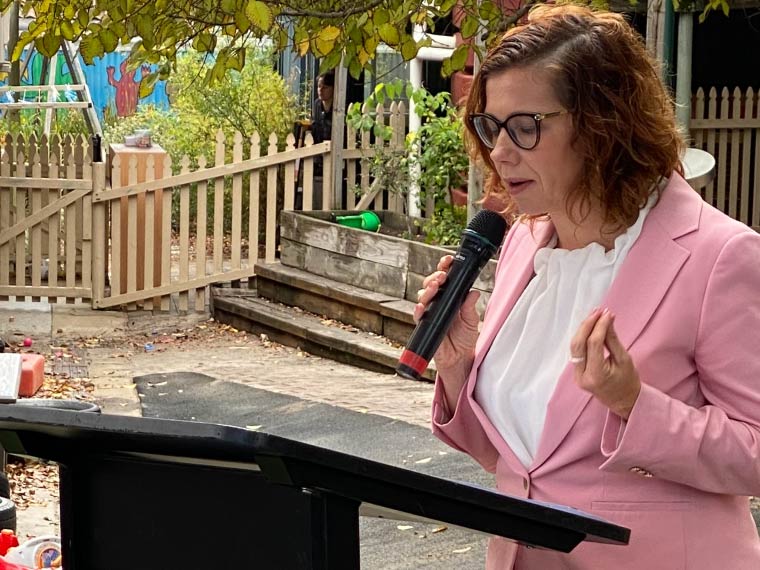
<point>479,242</point>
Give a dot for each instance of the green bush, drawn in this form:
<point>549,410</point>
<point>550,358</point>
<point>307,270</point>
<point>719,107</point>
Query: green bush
<point>254,100</point>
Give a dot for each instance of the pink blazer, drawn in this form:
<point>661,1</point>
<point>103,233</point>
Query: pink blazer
<point>678,472</point>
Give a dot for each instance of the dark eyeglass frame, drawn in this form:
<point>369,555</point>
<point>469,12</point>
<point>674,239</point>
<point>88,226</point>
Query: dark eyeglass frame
<point>537,118</point>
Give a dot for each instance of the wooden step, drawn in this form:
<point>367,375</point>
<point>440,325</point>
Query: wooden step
<point>290,327</point>
<point>373,312</point>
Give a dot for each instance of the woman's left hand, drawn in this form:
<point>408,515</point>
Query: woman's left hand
<point>611,378</point>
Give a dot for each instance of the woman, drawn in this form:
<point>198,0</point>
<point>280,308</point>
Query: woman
<point>616,368</point>
<point>321,111</point>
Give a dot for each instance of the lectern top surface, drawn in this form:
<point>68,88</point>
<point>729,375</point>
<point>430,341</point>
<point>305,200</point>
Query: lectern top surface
<point>65,436</point>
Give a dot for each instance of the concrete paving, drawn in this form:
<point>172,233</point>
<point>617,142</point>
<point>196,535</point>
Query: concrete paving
<point>219,375</point>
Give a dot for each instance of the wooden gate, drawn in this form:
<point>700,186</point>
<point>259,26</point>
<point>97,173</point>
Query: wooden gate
<point>188,242</point>
<point>45,219</point>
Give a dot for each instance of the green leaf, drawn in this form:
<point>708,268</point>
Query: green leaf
<point>242,21</point>
<point>229,6</point>
<point>259,14</point>
<point>147,83</point>
<point>459,57</point>
<point>109,40</point>
<point>205,42</point>
<point>355,68</point>
<point>236,60</point>
<point>389,34</point>
<point>470,26</point>
<point>48,44</point>
<point>380,17</point>
<point>90,48</point>
<point>67,30</point>
<point>144,24</point>
<point>408,48</point>
<point>69,12</point>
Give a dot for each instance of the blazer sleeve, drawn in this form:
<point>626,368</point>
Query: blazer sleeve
<point>716,447</point>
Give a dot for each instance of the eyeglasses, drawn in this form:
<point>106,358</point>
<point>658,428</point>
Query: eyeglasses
<point>523,128</point>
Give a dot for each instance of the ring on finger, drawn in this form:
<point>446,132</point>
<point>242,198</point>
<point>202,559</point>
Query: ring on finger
<point>577,359</point>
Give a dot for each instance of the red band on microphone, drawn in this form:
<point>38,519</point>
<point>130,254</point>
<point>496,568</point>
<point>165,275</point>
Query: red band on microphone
<point>416,363</point>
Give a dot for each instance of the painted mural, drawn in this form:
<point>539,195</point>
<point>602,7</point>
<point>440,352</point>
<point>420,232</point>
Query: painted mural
<point>114,89</point>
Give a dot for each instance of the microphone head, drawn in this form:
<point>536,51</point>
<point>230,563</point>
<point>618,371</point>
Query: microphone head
<point>490,225</point>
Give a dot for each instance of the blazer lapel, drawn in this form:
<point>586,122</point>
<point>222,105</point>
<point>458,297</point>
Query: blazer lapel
<point>518,273</point>
<point>643,280</point>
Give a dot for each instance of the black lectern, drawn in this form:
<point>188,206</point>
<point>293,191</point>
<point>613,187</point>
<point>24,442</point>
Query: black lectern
<point>160,494</point>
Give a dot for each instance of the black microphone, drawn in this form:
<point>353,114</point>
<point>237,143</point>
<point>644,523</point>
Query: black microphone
<point>479,242</point>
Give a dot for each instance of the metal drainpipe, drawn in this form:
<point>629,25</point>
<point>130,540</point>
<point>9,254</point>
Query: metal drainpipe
<point>668,40</point>
<point>683,73</point>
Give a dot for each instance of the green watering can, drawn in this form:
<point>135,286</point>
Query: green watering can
<point>365,221</point>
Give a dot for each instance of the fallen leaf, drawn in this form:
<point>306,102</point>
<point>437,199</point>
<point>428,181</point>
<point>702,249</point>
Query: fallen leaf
<point>439,529</point>
<point>426,460</point>
<point>462,550</point>
<point>404,527</point>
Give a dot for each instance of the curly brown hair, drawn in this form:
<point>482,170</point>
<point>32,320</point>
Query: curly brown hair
<point>623,117</point>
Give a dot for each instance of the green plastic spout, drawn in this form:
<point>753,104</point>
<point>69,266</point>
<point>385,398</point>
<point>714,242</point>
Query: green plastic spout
<point>365,221</point>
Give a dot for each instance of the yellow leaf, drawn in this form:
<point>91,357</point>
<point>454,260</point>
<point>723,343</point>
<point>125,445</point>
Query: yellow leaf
<point>325,40</point>
<point>362,56</point>
<point>259,14</point>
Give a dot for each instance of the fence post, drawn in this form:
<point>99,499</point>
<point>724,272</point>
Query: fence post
<point>99,235</point>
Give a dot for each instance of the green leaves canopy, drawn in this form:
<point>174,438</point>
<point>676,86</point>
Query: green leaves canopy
<point>330,29</point>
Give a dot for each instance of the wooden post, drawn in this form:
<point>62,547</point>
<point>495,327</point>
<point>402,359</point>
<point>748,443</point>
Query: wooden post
<point>334,199</point>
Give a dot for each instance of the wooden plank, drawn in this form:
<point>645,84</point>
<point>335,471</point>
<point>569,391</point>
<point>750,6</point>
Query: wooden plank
<point>132,240</point>
<point>366,320</point>
<point>237,206</point>
<point>5,222</point>
<point>322,286</point>
<point>271,215</point>
<point>253,205</point>
<point>711,148</point>
<point>215,172</point>
<point>149,252</point>
<point>18,205</point>
<point>725,123</point>
<point>722,166</point>
<point>169,288</point>
<point>200,235</point>
<point>25,223</point>
<point>99,259</point>
<point>308,177</point>
<point>289,203</point>
<point>733,187</point>
<point>365,164</point>
<point>71,221</point>
<point>87,230</point>
<point>67,292</point>
<point>377,248</point>
<point>166,242</point>
<point>54,220</point>
<point>184,235</point>
<point>46,183</point>
<point>744,196</point>
<point>219,206</point>
<point>346,269</point>
<point>36,229</point>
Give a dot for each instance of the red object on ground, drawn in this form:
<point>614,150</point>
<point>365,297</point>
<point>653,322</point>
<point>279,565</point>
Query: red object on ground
<point>27,342</point>
<point>7,540</point>
<point>32,374</point>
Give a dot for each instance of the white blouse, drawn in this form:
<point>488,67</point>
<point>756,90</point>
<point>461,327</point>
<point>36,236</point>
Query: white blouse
<point>520,372</point>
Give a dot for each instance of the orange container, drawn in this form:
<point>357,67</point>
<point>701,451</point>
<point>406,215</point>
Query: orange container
<point>32,374</point>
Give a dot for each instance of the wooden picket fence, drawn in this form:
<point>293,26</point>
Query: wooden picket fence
<point>45,219</point>
<point>119,242</point>
<point>72,232</point>
<point>728,127</point>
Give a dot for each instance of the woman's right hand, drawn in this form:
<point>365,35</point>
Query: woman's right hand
<point>455,355</point>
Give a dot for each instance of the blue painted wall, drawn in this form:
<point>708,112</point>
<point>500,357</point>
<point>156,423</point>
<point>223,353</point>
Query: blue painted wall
<point>103,89</point>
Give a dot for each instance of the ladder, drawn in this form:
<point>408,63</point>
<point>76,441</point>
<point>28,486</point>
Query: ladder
<point>51,91</point>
